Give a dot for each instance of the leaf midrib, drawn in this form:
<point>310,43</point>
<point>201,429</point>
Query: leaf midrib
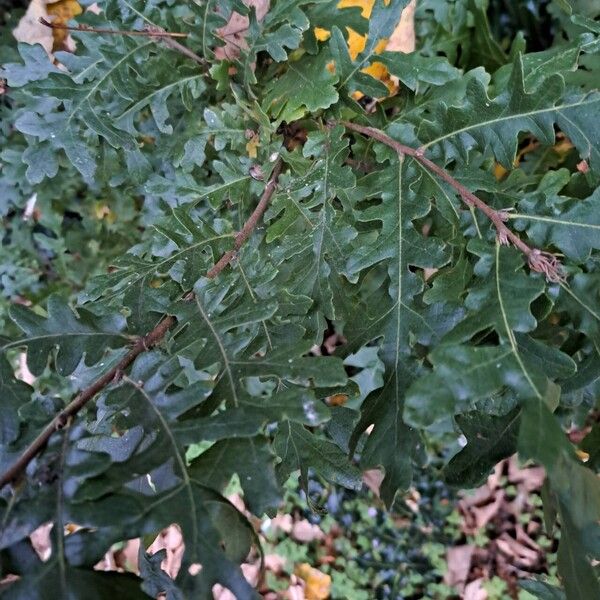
<point>556,109</point>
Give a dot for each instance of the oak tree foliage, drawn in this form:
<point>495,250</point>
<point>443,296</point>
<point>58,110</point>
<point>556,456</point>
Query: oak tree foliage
<point>145,165</point>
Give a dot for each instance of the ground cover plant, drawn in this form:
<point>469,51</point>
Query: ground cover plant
<point>255,242</point>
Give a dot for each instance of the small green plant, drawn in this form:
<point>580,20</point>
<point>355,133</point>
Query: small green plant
<point>215,208</point>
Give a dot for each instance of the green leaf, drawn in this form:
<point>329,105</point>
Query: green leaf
<point>463,377</point>
<point>304,87</point>
<point>299,449</point>
<point>398,318</point>
<point>281,28</point>
<point>579,578</point>
<point>315,232</point>
<point>37,66</point>
<point>156,581</point>
<point>252,460</point>
<point>412,69</point>
<point>495,123</point>
<point>75,334</point>
<point>382,22</point>
<point>575,230</point>
<point>15,394</point>
<point>542,590</point>
<point>80,583</point>
<point>489,440</point>
<point>502,301</point>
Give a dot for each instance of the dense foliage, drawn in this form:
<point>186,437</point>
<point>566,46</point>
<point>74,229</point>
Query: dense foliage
<point>142,162</point>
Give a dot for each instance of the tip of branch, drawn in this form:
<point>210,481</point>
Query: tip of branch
<point>548,264</point>
<point>46,23</point>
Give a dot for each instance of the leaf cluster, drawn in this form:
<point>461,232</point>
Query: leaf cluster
<point>444,332</point>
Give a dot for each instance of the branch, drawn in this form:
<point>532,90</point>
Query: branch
<point>143,344</point>
<point>152,32</point>
<point>538,260</point>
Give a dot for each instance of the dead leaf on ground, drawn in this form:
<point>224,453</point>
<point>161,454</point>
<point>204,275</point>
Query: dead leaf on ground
<point>172,541</point>
<point>274,563</point>
<point>318,584</point>
<point>475,591</point>
<point>234,33</point>
<point>403,38</point>
<point>372,479</point>
<point>498,508</point>
<point>30,30</point>
<point>303,531</point>
<point>459,565</point>
<point>295,592</point>
<point>40,540</point>
<point>60,13</point>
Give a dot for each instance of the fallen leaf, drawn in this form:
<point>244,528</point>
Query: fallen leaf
<point>583,166</point>
<point>274,563</point>
<point>40,540</point>
<point>403,37</point>
<point>458,561</point>
<point>30,30</point>
<point>318,584</point>
<point>475,591</point>
<point>61,12</point>
<point>372,479</point>
<point>234,33</point>
<point>283,522</point>
<point>295,592</point>
<point>303,531</point>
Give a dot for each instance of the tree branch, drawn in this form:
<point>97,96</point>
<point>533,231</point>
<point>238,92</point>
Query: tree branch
<point>538,260</point>
<point>153,32</point>
<point>143,344</point>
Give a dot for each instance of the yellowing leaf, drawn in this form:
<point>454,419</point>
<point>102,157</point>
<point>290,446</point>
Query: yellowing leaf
<point>252,145</point>
<point>563,146</point>
<point>318,584</point>
<point>499,171</point>
<point>62,11</point>
<point>103,211</point>
<point>583,456</point>
<point>322,34</point>
<point>337,399</point>
<point>365,5</point>
<point>356,43</point>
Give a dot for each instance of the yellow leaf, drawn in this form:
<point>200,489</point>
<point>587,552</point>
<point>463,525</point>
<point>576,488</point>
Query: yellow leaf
<point>62,11</point>
<point>563,146</point>
<point>337,400</point>
<point>583,456</point>
<point>357,43</point>
<point>318,584</point>
<point>322,34</point>
<point>252,145</point>
<point>365,5</point>
<point>499,171</point>
<point>103,211</point>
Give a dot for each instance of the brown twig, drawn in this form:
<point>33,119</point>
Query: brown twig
<point>143,344</point>
<point>151,32</point>
<point>88,29</point>
<point>538,260</point>
<point>244,233</point>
